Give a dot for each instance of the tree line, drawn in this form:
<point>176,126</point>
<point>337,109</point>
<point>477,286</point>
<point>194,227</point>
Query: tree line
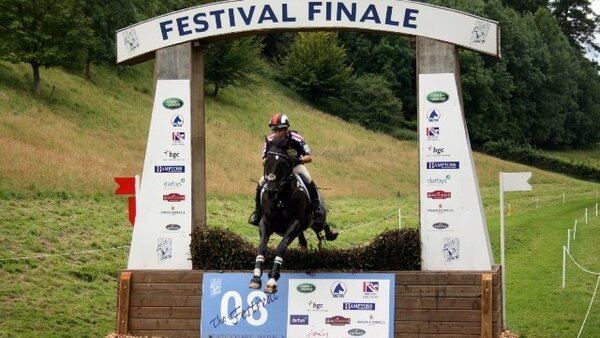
<point>543,92</point>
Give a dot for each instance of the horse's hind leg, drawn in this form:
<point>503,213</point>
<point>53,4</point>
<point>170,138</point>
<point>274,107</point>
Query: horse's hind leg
<point>302,241</point>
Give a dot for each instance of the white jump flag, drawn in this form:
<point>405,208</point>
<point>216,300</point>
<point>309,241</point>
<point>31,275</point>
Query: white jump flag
<point>515,181</point>
<point>509,182</point>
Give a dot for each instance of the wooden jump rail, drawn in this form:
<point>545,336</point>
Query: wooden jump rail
<point>167,303</point>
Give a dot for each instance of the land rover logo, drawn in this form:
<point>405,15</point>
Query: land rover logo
<point>440,225</point>
<point>173,103</point>
<point>437,97</point>
<point>306,288</point>
<point>356,332</point>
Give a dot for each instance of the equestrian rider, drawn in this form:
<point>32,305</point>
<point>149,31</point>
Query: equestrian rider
<point>279,124</point>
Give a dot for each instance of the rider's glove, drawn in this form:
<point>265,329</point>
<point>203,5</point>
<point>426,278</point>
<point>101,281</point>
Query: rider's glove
<point>296,161</point>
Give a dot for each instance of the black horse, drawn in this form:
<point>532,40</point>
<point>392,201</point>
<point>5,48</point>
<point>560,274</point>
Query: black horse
<point>286,210</point>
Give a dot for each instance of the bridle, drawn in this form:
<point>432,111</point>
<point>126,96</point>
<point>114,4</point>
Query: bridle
<point>271,177</point>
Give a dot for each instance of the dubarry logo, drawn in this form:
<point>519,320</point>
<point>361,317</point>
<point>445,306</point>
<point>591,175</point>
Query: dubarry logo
<point>356,332</point>
<point>437,97</point>
<point>173,103</point>
<point>439,195</point>
<point>440,225</point>
<point>173,227</point>
<point>306,288</point>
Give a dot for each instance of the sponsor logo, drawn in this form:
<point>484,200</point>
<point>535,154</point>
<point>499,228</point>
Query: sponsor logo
<point>169,169</point>
<point>173,184</point>
<point>337,321</point>
<point>432,132</point>
<point>177,121</point>
<point>338,289</point>
<point>359,306</point>
<point>172,155</point>
<point>370,286</point>
<point>178,137</point>
<point>174,197</point>
<point>356,332</point>
<point>306,288</point>
<point>440,210</point>
<point>437,97</point>
<point>172,212</point>
<point>440,225</point>
<point>314,306</point>
<point>298,319</point>
<point>173,103</point>
<point>438,181</point>
<point>443,165</point>
<point>436,151</point>
<point>451,249</point>
<point>439,195</point>
<point>173,227</point>
<point>371,321</point>
<point>433,115</point>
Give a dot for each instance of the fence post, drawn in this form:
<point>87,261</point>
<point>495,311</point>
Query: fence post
<point>575,230</point>
<point>568,239</point>
<point>586,210</point>
<point>564,275</point>
<point>563,197</point>
<point>399,218</point>
<point>123,303</point>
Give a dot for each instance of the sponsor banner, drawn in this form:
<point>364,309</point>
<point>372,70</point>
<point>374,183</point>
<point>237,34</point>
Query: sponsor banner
<point>317,305</point>
<point>231,17</point>
<point>453,229</point>
<point>163,222</point>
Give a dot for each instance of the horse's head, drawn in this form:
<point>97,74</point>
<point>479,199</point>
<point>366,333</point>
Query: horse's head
<point>278,167</point>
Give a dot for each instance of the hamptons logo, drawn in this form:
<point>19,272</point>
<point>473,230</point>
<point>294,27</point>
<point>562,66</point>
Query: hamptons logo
<point>443,165</point>
<point>213,18</point>
<point>360,306</point>
<point>169,169</point>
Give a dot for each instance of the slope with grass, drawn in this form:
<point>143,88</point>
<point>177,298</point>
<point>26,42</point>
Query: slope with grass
<point>65,232</point>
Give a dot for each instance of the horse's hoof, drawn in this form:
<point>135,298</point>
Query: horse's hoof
<point>331,236</point>
<point>270,289</point>
<point>255,283</point>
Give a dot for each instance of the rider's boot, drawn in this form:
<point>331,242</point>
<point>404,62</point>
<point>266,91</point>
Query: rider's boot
<point>255,217</point>
<point>316,201</point>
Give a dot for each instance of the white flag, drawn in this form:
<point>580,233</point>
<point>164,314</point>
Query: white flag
<point>515,181</point>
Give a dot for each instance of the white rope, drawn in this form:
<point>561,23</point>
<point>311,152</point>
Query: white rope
<point>369,223</point>
<point>63,254</point>
<point>589,308</point>
<point>579,266</point>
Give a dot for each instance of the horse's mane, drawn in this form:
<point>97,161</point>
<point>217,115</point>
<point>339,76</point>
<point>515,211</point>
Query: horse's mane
<point>280,143</point>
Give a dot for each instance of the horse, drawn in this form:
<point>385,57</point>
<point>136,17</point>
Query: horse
<point>286,210</point>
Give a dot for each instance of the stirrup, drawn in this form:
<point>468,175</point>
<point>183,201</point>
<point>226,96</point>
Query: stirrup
<point>254,219</point>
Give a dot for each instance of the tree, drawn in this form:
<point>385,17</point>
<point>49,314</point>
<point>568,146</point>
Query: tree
<point>232,62</point>
<point>42,33</point>
<point>577,21</point>
<point>525,6</point>
<point>315,65</point>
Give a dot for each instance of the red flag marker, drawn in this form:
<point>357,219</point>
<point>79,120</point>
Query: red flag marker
<point>126,185</point>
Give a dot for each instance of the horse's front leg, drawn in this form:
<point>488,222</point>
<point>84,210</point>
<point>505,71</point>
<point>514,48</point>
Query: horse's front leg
<point>292,232</point>
<point>255,282</point>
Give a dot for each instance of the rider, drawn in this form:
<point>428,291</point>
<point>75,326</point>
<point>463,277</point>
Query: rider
<point>279,124</point>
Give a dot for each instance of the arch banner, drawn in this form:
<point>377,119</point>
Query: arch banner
<point>138,41</point>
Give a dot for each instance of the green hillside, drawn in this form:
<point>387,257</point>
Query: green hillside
<point>66,234</point>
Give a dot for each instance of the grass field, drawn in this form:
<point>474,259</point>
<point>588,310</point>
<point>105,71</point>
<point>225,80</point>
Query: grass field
<point>65,234</point>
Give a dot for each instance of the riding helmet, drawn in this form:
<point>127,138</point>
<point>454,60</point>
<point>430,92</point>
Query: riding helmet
<point>279,121</point>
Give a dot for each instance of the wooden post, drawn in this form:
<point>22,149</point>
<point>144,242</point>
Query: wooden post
<point>185,62</point>
<point>486,305</point>
<point>123,308</point>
